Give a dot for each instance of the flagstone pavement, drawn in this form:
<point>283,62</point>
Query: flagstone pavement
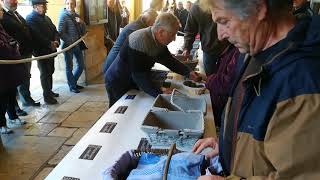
<point>34,149</point>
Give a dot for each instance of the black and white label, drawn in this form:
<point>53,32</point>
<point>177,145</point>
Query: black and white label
<point>69,178</point>
<point>121,110</point>
<point>131,97</point>
<point>90,152</point>
<point>108,127</point>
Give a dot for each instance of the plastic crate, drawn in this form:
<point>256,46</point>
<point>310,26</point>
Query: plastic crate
<point>180,102</point>
<point>165,128</point>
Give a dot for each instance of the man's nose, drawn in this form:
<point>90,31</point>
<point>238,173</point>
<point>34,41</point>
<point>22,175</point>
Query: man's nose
<point>222,33</point>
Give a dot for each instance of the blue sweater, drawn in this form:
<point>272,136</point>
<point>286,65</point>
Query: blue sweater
<point>136,58</point>
<point>126,31</point>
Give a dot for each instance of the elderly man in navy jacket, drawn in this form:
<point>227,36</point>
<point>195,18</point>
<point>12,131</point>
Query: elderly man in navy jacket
<point>139,53</point>
<point>46,41</point>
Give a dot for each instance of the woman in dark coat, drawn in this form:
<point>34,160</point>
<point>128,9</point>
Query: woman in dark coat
<point>220,83</point>
<point>112,27</point>
<point>11,76</point>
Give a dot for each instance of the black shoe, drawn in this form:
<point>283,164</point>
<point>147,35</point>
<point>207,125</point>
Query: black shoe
<point>21,112</point>
<point>36,104</point>
<point>79,87</point>
<point>54,94</point>
<point>75,90</point>
<point>50,100</point>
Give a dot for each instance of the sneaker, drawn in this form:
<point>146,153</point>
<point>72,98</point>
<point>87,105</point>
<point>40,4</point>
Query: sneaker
<point>6,130</point>
<point>21,112</point>
<point>18,121</point>
<point>79,87</point>
<point>50,100</point>
<point>75,90</point>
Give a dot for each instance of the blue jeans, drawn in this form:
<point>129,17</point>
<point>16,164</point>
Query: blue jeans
<point>210,63</point>
<point>73,77</point>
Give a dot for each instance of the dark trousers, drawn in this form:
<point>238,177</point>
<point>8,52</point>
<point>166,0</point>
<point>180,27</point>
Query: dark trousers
<point>24,88</point>
<point>113,95</point>
<point>46,68</point>
<point>210,63</point>
<point>7,104</point>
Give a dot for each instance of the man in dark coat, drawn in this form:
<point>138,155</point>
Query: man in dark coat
<point>11,76</point>
<point>46,41</point>
<point>145,20</point>
<point>139,53</point>
<point>16,26</point>
<point>200,22</point>
<point>182,15</point>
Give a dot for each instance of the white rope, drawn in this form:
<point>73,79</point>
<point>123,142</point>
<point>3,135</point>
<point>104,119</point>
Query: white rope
<point>26,60</point>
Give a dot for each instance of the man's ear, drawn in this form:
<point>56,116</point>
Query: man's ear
<point>262,11</point>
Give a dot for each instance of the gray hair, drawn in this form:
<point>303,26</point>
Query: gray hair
<point>149,15</point>
<point>246,8</point>
<point>166,20</point>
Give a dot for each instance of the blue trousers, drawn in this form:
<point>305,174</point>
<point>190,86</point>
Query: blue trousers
<point>73,75</point>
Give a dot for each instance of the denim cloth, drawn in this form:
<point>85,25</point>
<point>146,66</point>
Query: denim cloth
<point>73,77</point>
<point>183,166</point>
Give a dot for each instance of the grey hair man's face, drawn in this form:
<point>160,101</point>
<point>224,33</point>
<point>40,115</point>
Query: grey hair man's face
<point>232,28</point>
<point>11,4</point>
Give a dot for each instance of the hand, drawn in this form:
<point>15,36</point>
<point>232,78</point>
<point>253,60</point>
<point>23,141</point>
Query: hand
<point>166,90</point>
<point>205,143</point>
<point>211,178</point>
<point>195,76</point>
<point>54,45</point>
<point>186,53</point>
<point>79,20</point>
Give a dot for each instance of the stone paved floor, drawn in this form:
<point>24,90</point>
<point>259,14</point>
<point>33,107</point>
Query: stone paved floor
<point>34,149</point>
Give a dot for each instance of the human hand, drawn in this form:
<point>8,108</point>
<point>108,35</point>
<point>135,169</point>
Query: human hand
<point>195,76</point>
<point>54,45</point>
<point>79,20</point>
<point>205,143</point>
<point>186,53</point>
<point>166,90</point>
<point>211,178</point>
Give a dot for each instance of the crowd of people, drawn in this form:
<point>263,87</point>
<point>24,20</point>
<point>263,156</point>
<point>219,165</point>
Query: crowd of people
<point>261,64</point>
<point>261,68</point>
<point>35,36</point>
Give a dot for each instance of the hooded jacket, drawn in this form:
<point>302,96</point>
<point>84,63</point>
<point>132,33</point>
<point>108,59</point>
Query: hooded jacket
<point>277,131</point>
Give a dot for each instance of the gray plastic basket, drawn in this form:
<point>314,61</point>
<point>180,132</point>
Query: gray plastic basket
<point>180,102</point>
<point>165,128</point>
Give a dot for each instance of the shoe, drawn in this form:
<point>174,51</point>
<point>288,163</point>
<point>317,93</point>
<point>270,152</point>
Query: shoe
<point>21,112</point>
<point>54,94</point>
<point>18,121</point>
<point>79,87</point>
<point>75,90</point>
<point>50,100</point>
<point>35,104</point>
<point>6,130</point>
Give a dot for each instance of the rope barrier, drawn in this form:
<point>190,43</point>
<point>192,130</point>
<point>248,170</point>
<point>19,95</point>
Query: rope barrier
<point>26,60</point>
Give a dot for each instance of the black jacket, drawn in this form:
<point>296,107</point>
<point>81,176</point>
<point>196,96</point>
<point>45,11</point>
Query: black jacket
<point>43,33</point>
<point>201,22</point>
<point>19,30</point>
